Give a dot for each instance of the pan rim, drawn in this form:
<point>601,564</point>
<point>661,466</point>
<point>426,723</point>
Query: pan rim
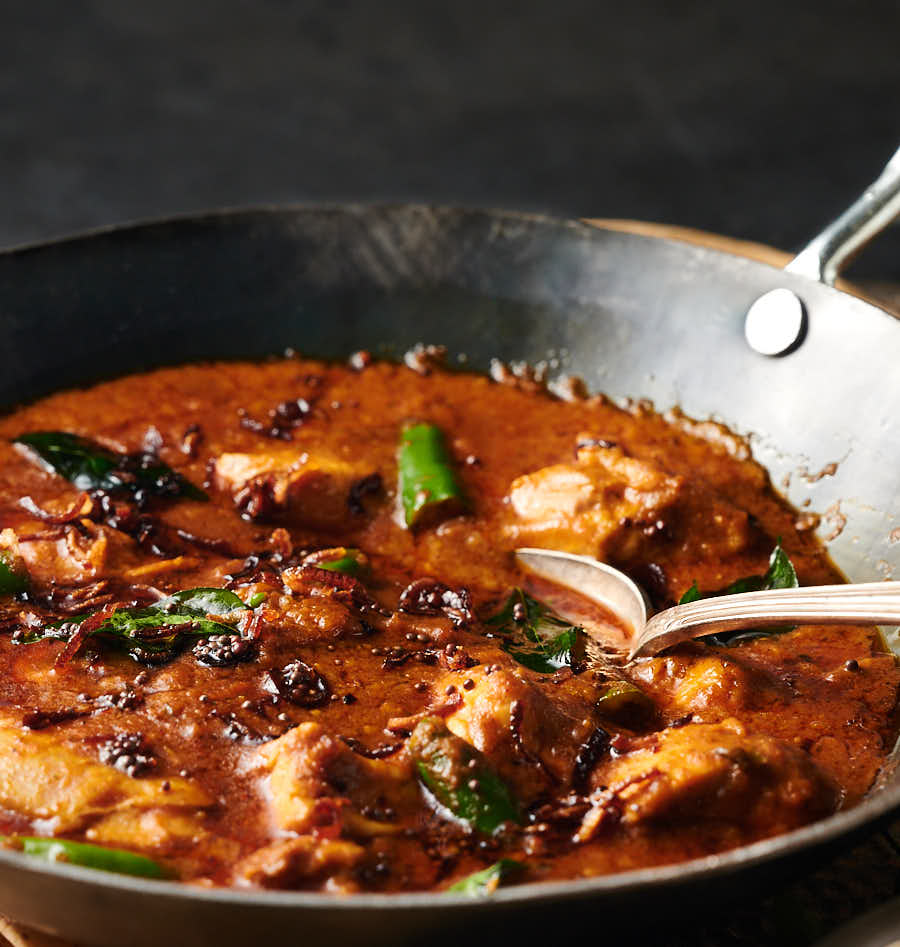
<point>716,866</point>
<point>585,225</point>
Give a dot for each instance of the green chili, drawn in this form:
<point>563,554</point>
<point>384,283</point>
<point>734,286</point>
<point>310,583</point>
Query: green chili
<point>88,856</point>
<point>624,698</point>
<point>348,561</point>
<point>429,490</point>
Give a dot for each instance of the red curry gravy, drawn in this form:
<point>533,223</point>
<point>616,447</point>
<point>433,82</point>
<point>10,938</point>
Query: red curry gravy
<point>291,755</point>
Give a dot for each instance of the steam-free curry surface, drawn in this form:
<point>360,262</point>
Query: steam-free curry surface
<point>376,730</point>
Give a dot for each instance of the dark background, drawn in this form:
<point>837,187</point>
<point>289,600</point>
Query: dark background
<point>760,120</point>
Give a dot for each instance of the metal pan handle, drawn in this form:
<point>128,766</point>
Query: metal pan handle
<point>824,256</point>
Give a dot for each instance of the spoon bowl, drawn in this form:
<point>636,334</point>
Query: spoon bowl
<point>870,603</point>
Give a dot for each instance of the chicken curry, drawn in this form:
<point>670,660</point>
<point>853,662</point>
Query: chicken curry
<point>261,626</point>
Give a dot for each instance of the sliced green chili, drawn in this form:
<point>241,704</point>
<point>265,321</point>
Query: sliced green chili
<point>348,561</point>
<point>429,490</point>
<point>623,697</point>
<point>88,856</point>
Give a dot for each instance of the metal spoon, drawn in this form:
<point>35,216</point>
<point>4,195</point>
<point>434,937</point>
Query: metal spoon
<point>871,603</point>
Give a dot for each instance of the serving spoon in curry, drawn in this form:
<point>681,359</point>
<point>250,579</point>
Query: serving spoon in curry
<point>870,603</point>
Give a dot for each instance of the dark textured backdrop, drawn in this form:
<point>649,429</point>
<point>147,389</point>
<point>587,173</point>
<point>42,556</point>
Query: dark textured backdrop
<point>757,119</point>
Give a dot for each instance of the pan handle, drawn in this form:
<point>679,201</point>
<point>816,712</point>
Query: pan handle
<point>824,256</point>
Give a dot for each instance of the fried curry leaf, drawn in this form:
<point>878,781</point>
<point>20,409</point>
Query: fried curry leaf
<point>780,575</point>
<point>486,881</point>
<point>693,594</point>
<point>13,576</point>
<point>133,623</point>
<point>202,602</point>
<point>94,468</point>
<point>460,779</point>
<point>534,635</point>
<point>89,856</point>
<point>156,633</point>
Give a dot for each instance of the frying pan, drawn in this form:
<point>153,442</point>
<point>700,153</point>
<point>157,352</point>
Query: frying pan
<point>632,315</point>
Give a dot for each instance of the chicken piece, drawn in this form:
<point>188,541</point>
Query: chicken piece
<point>612,506</point>
<point>312,490</point>
<point>511,721</point>
<point>713,685</point>
<point>583,506</point>
<point>712,772</point>
<point>43,779</point>
<point>295,862</point>
<point>160,829</point>
<point>316,618</point>
<point>70,556</point>
<point>318,784</point>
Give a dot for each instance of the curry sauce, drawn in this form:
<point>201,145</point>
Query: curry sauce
<point>359,694</point>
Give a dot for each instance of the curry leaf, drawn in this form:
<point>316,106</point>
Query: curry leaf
<point>157,632</point>
<point>94,468</point>
<point>134,623</point>
<point>202,602</point>
<point>534,635</point>
<point>693,594</point>
<point>459,778</point>
<point>13,577</point>
<point>481,883</point>
<point>780,575</point>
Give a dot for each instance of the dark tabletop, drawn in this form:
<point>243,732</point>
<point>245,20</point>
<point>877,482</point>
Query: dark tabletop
<point>759,120</point>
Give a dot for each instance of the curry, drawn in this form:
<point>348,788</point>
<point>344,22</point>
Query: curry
<point>261,626</point>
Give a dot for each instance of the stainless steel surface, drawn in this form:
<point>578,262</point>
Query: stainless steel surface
<point>776,321</point>
<point>869,603</point>
<point>634,316</point>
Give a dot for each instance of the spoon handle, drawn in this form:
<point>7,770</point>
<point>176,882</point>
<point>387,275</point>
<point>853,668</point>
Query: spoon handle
<point>873,603</point>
